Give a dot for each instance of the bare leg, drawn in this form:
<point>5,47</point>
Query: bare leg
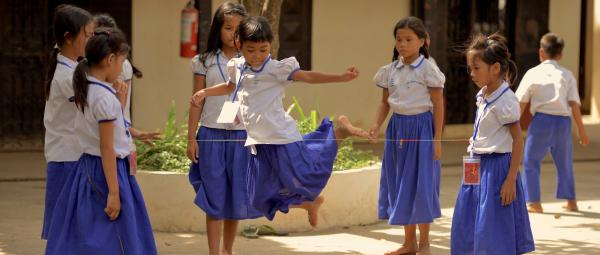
<point>424,239</point>
<point>571,206</point>
<point>213,233</point>
<point>535,207</point>
<point>229,232</point>
<point>345,129</point>
<point>410,242</point>
<point>312,207</point>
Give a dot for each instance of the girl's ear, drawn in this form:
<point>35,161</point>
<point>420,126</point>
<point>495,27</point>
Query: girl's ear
<point>111,59</point>
<point>422,42</point>
<point>68,38</point>
<point>495,68</point>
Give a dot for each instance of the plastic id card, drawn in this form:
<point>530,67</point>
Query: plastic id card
<point>229,112</point>
<point>471,174</point>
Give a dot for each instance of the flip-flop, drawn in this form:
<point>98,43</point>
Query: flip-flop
<point>266,230</point>
<point>250,232</point>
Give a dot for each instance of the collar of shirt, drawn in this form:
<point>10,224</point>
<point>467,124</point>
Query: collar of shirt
<point>105,85</point>
<point>62,60</point>
<point>495,95</point>
<point>414,64</point>
<point>247,66</point>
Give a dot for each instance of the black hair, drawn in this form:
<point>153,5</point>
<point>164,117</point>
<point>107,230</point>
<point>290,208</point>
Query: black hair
<point>492,49</point>
<point>105,20</point>
<point>68,21</point>
<point>105,41</point>
<point>416,25</point>
<point>254,29</point>
<point>552,44</point>
<point>214,42</point>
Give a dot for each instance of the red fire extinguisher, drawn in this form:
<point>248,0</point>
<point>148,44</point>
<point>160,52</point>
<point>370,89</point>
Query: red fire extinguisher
<point>189,30</point>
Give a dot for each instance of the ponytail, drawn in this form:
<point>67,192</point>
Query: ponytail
<point>50,71</point>
<point>81,84</point>
<point>512,72</point>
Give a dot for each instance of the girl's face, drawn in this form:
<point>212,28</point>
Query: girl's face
<point>80,40</point>
<point>408,43</point>
<point>481,73</point>
<point>256,53</point>
<point>114,66</point>
<point>230,25</point>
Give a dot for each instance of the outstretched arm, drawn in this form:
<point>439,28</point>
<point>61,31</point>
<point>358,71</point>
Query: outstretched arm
<point>318,77</point>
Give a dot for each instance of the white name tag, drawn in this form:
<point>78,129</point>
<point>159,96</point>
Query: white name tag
<point>471,175</point>
<point>229,112</point>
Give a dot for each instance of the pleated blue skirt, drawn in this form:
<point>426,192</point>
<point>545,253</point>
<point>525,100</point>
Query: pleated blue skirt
<point>290,174</point>
<point>57,173</point>
<point>481,225</point>
<point>410,177</point>
<point>219,177</point>
<point>79,224</point>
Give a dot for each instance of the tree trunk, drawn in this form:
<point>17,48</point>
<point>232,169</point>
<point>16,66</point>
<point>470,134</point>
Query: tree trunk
<point>271,10</point>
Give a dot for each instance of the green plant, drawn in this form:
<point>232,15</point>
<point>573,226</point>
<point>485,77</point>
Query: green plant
<point>169,153</point>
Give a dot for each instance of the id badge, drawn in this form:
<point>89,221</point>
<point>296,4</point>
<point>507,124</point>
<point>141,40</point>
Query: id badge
<point>229,112</point>
<point>133,163</point>
<point>471,175</point>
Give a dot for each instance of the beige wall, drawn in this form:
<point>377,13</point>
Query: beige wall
<point>594,52</point>
<point>359,35</point>
<point>167,77</point>
<point>568,29</point>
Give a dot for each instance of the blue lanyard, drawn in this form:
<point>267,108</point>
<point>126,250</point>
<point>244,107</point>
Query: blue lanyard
<point>125,124</point>
<point>64,64</point>
<point>479,117</point>
<point>220,70</point>
<point>239,83</point>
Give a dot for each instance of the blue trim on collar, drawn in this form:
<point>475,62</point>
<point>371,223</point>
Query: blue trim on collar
<point>64,64</point>
<point>261,67</point>
<point>104,86</point>
<point>399,64</point>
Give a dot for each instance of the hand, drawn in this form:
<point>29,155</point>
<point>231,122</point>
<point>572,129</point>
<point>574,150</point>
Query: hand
<point>584,140</point>
<point>350,74</point>
<point>508,193</point>
<point>121,87</point>
<point>437,150</point>
<point>113,206</point>
<point>198,97</point>
<point>373,132</point>
<point>192,151</point>
<point>144,136</point>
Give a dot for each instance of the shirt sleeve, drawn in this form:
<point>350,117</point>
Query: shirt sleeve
<point>434,78</point>
<point>198,67</point>
<point>106,109</point>
<point>523,92</point>
<point>382,77</point>
<point>507,111</point>
<point>285,68</point>
<point>573,90</point>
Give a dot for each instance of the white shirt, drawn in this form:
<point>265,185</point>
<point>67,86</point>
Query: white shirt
<point>260,94</point>
<point>549,87</point>
<point>103,105</point>
<point>215,73</point>
<point>59,115</point>
<point>494,114</point>
<point>409,84</point>
<point>126,76</point>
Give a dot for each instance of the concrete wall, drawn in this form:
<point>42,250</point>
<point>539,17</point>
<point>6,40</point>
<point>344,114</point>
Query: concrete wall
<point>594,53</point>
<point>564,20</point>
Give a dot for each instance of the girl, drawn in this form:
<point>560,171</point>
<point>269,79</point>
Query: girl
<point>286,169</point>
<point>412,87</point>
<point>125,81</point>
<point>490,216</point>
<point>219,168</point>
<point>103,211</point>
<point>72,29</point>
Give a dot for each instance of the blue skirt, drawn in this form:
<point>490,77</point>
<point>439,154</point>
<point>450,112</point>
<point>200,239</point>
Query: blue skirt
<point>79,224</point>
<point>282,175</point>
<point>57,173</point>
<point>481,225</point>
<point>410,177</point>
<point>219,177</point>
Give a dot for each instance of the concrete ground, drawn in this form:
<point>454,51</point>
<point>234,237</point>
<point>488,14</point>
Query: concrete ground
<point>22,187</point>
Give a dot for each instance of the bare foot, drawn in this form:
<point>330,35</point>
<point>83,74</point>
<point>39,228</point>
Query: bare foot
<point>404,249</point>
<point>313,211</point>
<point>345,129</point>
<point>424,249</point>
<point>535,207</point>
<point>571,206</point>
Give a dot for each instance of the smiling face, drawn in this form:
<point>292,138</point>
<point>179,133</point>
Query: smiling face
<point>256,53</point>
<point>408,43</point>
<point>481,73</point>
<point>230,24</point>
